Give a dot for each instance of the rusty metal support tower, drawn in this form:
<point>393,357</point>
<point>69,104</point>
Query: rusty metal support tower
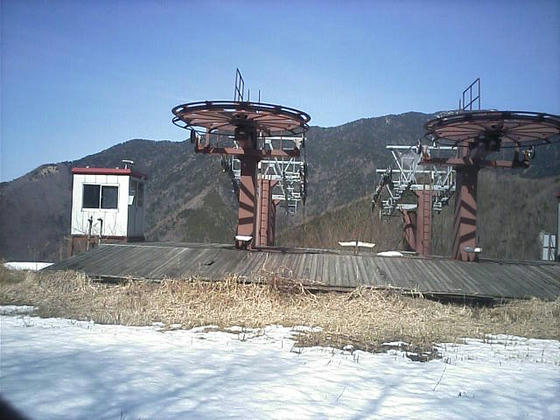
<point>417,224</point>
<point>244,130</point>
<point>476,135</point>
<point>432,187</point>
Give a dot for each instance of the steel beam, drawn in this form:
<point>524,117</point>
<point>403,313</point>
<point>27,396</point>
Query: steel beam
<point>241,152</point>
<point>424,222</point>
<point>266,214</point>
<point>417,224</point>
<point>459,162</point>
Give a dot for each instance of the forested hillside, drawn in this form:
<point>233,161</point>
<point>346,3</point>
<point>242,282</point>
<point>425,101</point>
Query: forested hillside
<point>512,211</point>
<point>189,198</point>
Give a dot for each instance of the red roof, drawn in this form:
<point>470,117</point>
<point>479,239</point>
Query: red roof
<point>108,171</point>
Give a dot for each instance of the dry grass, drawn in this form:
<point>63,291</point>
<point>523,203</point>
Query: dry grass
<point>364,318</point>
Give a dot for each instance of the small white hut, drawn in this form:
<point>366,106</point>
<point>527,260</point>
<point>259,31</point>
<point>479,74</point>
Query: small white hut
<point>107,206</point>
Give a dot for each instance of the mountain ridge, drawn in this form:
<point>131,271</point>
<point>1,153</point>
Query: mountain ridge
<point>187,199</point>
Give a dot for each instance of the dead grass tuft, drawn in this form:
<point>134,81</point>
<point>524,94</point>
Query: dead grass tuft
<point>364,318</point>
<point>10,276</point>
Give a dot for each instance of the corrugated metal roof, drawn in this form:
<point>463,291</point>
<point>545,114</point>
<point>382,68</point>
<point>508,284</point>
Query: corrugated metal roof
<point>322,268</point>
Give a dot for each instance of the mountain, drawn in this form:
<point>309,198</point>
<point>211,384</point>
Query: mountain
<point>35,214</point>
<point>342,160</point>
<point>188,198</point>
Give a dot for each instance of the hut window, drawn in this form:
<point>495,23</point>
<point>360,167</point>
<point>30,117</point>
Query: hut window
<point>136,193</point>
<point>100,196</point>
<point>132,200</point>
<point>109,197</point>
<point>91,196</point>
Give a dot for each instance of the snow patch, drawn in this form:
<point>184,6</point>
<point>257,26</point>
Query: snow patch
<point>31,266</point>
<point>395,344</point>
<point>390,254</point>
<point>61,368</point>
<point>15,310</point>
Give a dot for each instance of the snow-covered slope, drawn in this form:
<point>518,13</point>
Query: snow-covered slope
<point>59,368</point>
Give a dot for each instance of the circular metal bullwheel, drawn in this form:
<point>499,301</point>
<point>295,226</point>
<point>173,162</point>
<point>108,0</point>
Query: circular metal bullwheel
<point>510,128</point>
<point>223,117</point>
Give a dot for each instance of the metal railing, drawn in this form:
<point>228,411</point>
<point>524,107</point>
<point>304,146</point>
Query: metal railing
<point>407,174</point>
<point>289,174</point>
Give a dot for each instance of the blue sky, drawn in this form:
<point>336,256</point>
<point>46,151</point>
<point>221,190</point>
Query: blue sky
<point>81,76</point>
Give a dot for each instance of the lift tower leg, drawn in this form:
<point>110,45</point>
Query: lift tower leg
<point>424,222</point>
<point>247,202</point>
<point>266,213</point>
<point>409,223</point>
<point>464,229</point>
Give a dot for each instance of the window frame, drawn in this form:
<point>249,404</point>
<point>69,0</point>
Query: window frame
<point>136,190</point>
<point>100,197</point>
<point>116,197</point>
<point>96,186</point>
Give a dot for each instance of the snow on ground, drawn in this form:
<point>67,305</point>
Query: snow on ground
<point>389,254</point>
<point>59,368</point>
<point>32,266</point>
<point>15,309</point>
